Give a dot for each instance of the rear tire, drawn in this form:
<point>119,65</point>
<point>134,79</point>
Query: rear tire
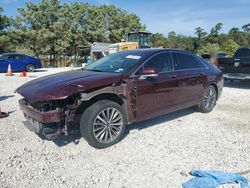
<point>103,123</point>
<point>30,68</point>
<point>208,100</point>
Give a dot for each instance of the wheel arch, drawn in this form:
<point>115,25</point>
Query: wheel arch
<point>101,96</point>
<point>108,96</point>
<point>29,64</point>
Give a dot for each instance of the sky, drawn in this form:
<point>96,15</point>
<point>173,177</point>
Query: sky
<point>164,16</point>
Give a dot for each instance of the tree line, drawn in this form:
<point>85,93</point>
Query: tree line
<point>207,42</point>
<point>51,29</point>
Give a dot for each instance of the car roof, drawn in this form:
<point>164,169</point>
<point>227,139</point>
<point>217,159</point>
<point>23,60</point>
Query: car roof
<point>155,50</point>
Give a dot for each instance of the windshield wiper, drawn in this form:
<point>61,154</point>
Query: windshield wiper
<point>95,70</point>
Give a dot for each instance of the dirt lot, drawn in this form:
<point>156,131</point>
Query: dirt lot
<point>155,153</point>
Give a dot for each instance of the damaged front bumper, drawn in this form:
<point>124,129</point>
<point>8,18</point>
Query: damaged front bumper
<point>49,124</point>
<point>52,116</point>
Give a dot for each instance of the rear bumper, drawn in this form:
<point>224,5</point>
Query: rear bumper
<point>52,116</point>
<point>39,66</point>
<point>236,76</point>
<point>220,85</point>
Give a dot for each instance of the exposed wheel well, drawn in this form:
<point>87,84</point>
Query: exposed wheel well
<point>107,96</point>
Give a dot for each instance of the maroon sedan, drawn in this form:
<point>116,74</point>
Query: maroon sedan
<point>117,90</point>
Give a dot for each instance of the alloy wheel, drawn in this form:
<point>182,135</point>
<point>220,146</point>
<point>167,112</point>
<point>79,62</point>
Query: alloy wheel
<point>210,98</point>
<point>108,125</point>
<point>30,68</point>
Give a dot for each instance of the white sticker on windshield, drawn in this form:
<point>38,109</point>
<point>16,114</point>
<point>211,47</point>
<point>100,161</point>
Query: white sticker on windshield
<point>133,57</point>
<point>118,70</point>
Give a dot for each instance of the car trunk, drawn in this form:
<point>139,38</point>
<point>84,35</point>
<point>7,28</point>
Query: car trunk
<point>234,65</point>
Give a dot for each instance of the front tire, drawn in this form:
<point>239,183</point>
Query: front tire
<point>103,124</point>
<point>208,100</point>
<point>30,68</point>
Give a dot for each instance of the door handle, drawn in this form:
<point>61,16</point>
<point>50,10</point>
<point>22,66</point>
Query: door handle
<point>202,73</point>
<point>173,76</point>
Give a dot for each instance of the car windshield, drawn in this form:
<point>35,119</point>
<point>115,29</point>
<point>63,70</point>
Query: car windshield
<point>116,63</point>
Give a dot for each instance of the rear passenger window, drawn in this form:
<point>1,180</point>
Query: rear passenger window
<point>18,57</point>
<point>185,61</point>
<point>161,62</point>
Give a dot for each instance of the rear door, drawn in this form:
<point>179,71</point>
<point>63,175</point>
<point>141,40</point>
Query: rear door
<point>192,77</point>
<point>18,62</point>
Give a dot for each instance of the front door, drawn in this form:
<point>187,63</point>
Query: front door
<point>156,94</point>
<point>5,61</point>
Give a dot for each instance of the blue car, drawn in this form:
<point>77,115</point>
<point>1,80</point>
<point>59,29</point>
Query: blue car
<point>19,62</point>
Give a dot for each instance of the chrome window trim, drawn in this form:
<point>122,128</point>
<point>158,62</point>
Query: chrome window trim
<point>133,75</point>
<point>205,66</point>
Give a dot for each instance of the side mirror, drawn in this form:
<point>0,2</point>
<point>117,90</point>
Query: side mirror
<point>148,73</point>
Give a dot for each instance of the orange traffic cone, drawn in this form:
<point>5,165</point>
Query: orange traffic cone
<point>23,74</point>
<point>9,72</point>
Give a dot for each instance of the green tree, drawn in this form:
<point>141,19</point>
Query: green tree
<point>240,37</point>
<point>215,30</point>
<point>246,27</point>
<point>209,48</point>
<point>54,29</point>
<point>5,40</point>
<point>4,21</point>
<point>158,40</point>
<point>229,47</point>
<point>201,34</point>
<point>233,30</point>
<point>179,41</point>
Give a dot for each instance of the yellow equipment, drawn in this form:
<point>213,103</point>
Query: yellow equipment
<point>143,38</point>
<point>135,40</point>
<point>122,46</point>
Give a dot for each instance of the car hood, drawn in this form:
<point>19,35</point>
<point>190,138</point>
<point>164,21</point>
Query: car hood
<point>61,85</point>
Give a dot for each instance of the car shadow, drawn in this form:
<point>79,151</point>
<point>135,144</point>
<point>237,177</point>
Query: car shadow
<point>161,119</point>
<point>6,114</point>
<point>73,136</point>
<point>237,84</point>
<point>5,97</point>
<point>74,133</point>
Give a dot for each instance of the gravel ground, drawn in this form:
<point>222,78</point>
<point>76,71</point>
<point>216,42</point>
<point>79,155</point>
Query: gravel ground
<point>155,153</point>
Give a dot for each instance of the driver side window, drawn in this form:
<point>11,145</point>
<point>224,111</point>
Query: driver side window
<point>6,57</point>
<point>161,62</point>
